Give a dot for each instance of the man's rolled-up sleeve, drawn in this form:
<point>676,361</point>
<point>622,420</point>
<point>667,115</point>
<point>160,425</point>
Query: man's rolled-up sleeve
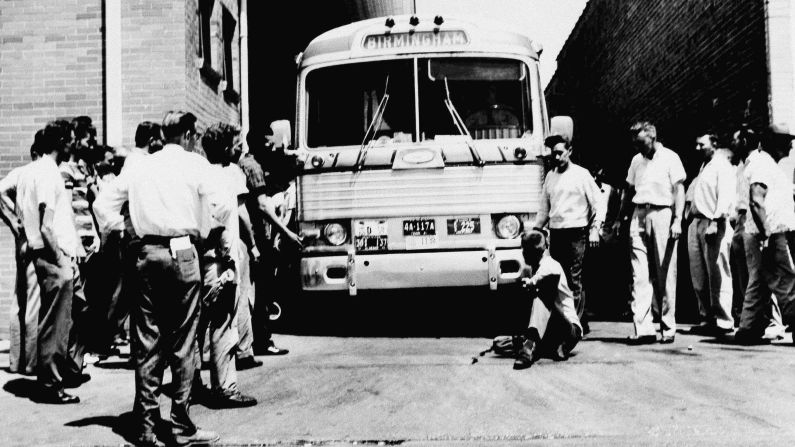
<point>107,207</point>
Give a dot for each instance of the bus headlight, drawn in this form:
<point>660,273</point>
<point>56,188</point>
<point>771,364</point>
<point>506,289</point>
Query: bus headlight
<point>335,233</point>
<point>508,227</point>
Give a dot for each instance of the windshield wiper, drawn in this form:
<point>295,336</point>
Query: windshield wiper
<point>462,128</point>
<point>375,124</point>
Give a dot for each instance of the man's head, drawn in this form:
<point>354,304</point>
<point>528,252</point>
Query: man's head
<point>644,135</point>
<point>744,140</point>
<point>534,244</point>
<point>57,138</point>
<point>706,145</point>
<point>221,143</point>
<point>560,151</point>
<point>180,128</point>
<point>38,145</point>
<point>777,140</point>
<point>149,136</point>
<point>85,136</point>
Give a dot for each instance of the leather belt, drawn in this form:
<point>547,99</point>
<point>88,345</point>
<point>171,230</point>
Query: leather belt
<point>165,241</point>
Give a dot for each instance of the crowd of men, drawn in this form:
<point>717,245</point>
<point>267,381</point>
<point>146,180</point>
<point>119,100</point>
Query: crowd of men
<point>739,215</point>
<point>172,233</point>
<point>167,234</point>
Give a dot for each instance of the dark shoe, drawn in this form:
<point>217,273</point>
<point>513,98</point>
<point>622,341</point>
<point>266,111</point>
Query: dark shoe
<point>247,363</point>
<point>198,437</point>
<point>636,340</point>
<point>199,393</point>
<point>58,396</point>
<point>233,399</point>
<point>525,355</point>
<point>273,350</point>
<point>746,338</point>
<point>560,355</point>
<point>702,329</point>
<point>76,381</point>
<point>667,339</point>
<point>148,440</point>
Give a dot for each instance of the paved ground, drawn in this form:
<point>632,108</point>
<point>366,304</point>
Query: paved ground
<point>334,390</point>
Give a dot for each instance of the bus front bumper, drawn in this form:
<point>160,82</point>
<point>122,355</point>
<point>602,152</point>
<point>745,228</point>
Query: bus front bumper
<point>362,271</point>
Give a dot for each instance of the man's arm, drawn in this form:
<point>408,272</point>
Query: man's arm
<point>47,215</point>
<point>247,228</point>
<point>679,208</point>
<point>8,215</point>
<point>270,214</point>
<point>108,205</point>
<point>625,208</point>
<point>597,210</point>
<point>543,212</point>
<point>758,212</point>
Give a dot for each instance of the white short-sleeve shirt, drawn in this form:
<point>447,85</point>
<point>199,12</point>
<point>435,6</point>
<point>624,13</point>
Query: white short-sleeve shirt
<point>779,205</point>
<point>715,189</point>
<point>655,180</point>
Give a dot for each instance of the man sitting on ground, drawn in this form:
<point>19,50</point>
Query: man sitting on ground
<point>554,328</point>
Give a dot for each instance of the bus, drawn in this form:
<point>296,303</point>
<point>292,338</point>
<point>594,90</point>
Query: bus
<point>424,138</point>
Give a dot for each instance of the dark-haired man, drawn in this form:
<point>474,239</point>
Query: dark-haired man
<point>224,252</point>
<point>26,302</point>
<point>554,328</point>
<point>710,236</point>
<point>655,200</point>
<point>45,208</point>
<point>169,193</point>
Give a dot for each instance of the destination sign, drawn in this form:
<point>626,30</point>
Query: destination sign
<point>418,39</point>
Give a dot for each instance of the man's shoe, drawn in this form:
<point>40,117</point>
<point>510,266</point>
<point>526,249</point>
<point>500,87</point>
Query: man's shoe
<point>58,396</point>
<point>525,355</point>
<point>667,339</point>
<point>247,363</point>
<point>702,329</point>
<point>636,340</point>
<point>148,440</point>
<point>75,381</point>
<point>233,399</point>
<point>273,350</point>
<point>744,337</point>
<point>198,437</point>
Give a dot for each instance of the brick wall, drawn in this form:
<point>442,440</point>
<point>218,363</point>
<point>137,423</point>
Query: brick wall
<point>686,65</point>
<point>153,61</point>
<point>50,67</point>
<point>203,97</point>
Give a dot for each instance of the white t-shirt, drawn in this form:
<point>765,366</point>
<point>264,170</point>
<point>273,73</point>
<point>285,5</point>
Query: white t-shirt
<point>564,302</point>
<point>779,205</point>
<point>232,182</point>
<point>655,180</point>
<point>570,198</point>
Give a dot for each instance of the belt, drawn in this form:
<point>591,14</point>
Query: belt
<point>165,241</point>
<point>651,206</point>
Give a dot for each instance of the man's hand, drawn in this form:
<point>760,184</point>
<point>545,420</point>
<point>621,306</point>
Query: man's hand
<point>593,238</point>
<point>712,228</point>
<point>617,228</point>
<point>676,228</point>
<point>255,254</point>
<point>297,240</point>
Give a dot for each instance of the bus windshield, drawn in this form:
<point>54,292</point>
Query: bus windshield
<point>491,95</point>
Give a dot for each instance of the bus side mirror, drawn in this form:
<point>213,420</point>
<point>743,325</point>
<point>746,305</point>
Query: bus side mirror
<point>282,134</point>
<point>563,126</point>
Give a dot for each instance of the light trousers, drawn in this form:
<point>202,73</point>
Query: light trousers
<point>653,270</point>
<point>710,271</point>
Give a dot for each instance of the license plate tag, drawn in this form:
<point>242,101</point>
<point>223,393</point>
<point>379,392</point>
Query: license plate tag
<point>421,242</point>
<point>463,225</point>
<point>419,227</point>
<point>370,235</point>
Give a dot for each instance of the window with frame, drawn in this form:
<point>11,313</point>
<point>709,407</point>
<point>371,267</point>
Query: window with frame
<point>217,31</point>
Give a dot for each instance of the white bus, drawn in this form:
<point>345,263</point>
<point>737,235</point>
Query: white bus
<point>423,135</point>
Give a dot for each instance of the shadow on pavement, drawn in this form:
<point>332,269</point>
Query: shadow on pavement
<point>123,425</point>
<point>25,388</point>
<point>115,364</point>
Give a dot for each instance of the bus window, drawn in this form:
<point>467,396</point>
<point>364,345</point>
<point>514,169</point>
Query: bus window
<point>491,95</point>
<point>343,101</point>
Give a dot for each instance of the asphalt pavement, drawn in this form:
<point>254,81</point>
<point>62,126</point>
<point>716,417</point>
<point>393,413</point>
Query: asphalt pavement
<point>368,389</point>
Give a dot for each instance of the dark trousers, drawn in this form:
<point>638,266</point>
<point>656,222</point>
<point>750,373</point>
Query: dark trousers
<point>164,317</point>
<point>567,246</point>
<point>55,317</point>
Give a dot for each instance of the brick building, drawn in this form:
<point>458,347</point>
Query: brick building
<point>687,65</point>
<point>118,61</point>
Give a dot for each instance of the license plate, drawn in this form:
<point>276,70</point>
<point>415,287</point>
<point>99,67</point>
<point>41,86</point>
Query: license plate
<point>463,225</point>
<point>370,235</point>
<point>421,242</point>
<point>419,227</point>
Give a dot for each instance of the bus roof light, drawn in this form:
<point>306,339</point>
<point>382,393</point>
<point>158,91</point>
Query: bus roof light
<point>414,21</point>
<point>520,153</point>
<point>438,20</point>
<point>390,22</point>
<point>317,161</point>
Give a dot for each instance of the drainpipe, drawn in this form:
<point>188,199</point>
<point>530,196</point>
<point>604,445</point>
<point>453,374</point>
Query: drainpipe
<point>113,90</point>
<point>244,105</point>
